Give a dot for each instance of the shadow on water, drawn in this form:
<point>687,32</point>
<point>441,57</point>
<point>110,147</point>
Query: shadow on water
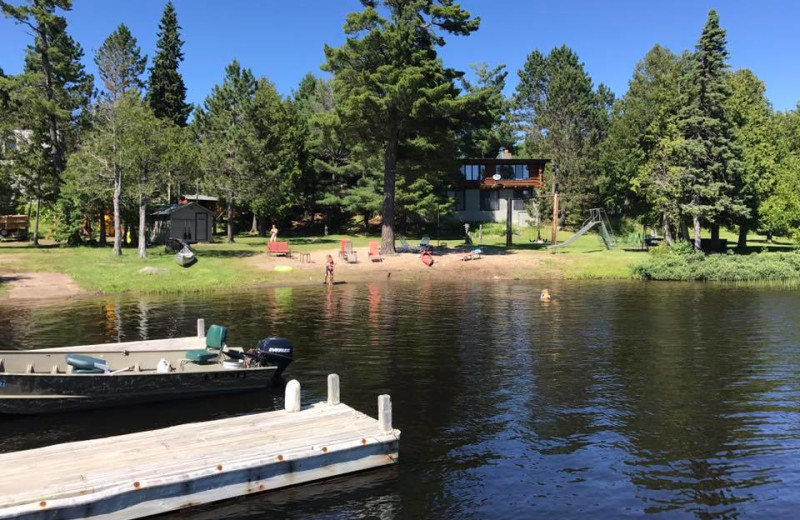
<point>616,399</point>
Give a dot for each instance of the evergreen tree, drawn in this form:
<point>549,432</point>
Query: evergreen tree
<point>120,63</point>
<point>564,119</point>
<point>224,128</point>
<point>779,212</point>
<point>50,95</point>
<point>392,90</point>
<point>755,133</point>
<point>486,133</point>
<point>166,91</point>
<point>638,161</point>
<point>708,155</point>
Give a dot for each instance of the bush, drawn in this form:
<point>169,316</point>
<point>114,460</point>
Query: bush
<point>678,263</point>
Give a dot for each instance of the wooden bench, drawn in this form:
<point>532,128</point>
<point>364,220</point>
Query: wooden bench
<point>279,248</point>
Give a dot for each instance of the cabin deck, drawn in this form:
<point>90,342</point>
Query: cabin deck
<point>141,474</point>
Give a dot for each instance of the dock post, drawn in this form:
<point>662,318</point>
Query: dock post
<point>333,388</point>
<point>385,413</point>
<point>292,399</point>
<point>201,328</point>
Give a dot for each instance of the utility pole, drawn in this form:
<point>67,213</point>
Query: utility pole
<point>509,201</point>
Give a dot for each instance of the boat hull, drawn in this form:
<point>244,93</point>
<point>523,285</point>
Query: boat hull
<point>47,393</point>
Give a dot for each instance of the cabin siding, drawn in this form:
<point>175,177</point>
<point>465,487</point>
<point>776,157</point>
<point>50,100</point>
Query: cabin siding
<point>190,222</point>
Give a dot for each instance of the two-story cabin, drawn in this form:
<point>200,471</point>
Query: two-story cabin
<point>484,187</point>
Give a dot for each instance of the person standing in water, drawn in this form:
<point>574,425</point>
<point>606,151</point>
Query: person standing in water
<point>329,270</point>
<point>273,234</point>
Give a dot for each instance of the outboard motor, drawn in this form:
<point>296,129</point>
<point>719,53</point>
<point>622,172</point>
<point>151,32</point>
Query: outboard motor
<point>274,351</point>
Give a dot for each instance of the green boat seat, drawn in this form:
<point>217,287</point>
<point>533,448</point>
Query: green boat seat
<point>82,364</point>
<point>215,342</point>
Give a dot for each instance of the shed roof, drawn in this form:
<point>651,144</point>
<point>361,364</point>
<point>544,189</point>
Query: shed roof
<point>169,209</point>
<point>207,198</point>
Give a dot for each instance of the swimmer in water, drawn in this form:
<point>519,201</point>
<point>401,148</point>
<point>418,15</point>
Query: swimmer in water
<point>545,296</point>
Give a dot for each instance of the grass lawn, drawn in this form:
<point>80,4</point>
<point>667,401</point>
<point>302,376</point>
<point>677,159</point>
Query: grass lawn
<point>224,266</point>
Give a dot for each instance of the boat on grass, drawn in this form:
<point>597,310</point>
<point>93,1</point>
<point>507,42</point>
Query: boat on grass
<point>75,378</point>
<point>185,257</point>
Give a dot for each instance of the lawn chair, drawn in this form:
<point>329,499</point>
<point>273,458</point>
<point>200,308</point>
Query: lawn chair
<point>348,254</point>
<point>406,248</point>
<point>375,252</point>
<point>425,243</point>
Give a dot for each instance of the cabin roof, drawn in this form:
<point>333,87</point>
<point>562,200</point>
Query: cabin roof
<point>197,197</point>
<point>168,209</point>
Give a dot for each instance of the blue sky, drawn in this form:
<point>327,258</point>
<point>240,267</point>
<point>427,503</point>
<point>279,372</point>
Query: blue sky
<point>283,40</point>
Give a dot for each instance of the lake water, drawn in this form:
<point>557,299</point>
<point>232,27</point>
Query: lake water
<point>615,400</point>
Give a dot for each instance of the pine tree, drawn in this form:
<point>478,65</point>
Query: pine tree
<point>50,94</point>
<point>392,90</point>
<point>166,91</point>
<point>708,155</point>
<point>564,119</point>
<point>224,127</point>
<point>120,63</point>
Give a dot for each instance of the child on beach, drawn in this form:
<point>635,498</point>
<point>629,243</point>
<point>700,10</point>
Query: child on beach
<point>329,270</point>
<point>273,234</point>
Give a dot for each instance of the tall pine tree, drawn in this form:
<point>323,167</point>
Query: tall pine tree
<point>120,63</point>
<point>166,93</point>
<point>708,154</point>
<point>392,89</point>
<point>50,94</point>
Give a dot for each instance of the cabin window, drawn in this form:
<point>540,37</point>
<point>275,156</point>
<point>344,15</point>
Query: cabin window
<point>473,172</point>
<point>521,171</point>
<point>513,171</point>
<point>490,201</point>
<point>460,203</point>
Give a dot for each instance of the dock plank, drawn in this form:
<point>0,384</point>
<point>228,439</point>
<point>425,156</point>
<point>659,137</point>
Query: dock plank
<point>139,474</point>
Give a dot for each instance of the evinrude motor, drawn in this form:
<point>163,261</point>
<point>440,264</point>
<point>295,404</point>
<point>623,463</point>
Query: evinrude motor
<point>272,351</point>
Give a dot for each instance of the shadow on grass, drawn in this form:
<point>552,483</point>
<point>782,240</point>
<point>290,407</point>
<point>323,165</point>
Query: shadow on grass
<point>217,253</point>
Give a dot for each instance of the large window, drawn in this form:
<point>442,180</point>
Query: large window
<point>473,172</point>
<point>460,200</point>
<point>490,200</point>
<point>513,171</point>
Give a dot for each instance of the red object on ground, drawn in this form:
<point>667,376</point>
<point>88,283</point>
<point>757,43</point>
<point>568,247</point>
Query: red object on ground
<point>426,257</point>
<point>375,252</point>
<point>279,248</point>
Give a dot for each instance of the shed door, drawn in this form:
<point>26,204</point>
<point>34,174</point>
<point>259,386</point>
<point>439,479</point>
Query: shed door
<point>201,227</point>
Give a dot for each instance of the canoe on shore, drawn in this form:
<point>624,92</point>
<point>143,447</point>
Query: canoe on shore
<point>54,380</point>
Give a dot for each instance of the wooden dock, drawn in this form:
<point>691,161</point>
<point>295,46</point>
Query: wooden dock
<point>153,472</point>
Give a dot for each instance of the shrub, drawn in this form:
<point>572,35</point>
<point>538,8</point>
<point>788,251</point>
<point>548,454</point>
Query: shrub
<point>679,264</point>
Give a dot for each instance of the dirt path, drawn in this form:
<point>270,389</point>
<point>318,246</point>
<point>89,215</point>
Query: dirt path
<point>39,286</point>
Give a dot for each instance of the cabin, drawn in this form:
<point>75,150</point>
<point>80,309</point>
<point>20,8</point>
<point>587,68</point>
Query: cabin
<point>206,201</point>
<point>190,222</point>
<point>483,188</point>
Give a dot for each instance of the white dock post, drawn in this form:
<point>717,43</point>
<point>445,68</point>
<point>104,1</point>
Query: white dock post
<point>292,399</point>
<point>385,413</point>
<point>333,388</point>
<point>201,328</point>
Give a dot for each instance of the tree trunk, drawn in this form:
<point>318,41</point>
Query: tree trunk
<point>667,229</point>
<point>742,243</point>
<point>769,237</point>
<point>58,152</point>
<point>389,180</point>
<point>230,221</point>
<point>262,226</point>
<point>715,237</point>
<point>696,222</point>
<point>124,236</point>
<point>117,220</point>
<point>103,241</point>
<point>684,230</point>
<point>36,226</point>
<point>142,227</point>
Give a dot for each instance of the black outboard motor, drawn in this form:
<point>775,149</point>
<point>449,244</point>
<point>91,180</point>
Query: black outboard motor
<point>275,351</point>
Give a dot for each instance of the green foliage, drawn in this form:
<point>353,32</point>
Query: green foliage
<point>685,265</point>
<point>564,119</point>
<point>120,63</point>
<point>166,92</point>
<point>707,155</point>
<point>395,96</point>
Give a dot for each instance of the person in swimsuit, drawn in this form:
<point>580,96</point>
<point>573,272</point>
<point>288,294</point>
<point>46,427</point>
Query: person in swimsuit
<point>273,234</point>
<point>329,270</point>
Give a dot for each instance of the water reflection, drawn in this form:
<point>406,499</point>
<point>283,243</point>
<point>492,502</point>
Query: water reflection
<point>615,399</point>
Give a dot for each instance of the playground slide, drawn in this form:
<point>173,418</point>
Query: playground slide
<point>577,235</point>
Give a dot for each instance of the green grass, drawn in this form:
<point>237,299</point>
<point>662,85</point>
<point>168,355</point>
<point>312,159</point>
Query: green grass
<point>226,266</point>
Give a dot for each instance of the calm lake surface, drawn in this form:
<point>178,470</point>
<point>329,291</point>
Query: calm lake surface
<point>615,400</point>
